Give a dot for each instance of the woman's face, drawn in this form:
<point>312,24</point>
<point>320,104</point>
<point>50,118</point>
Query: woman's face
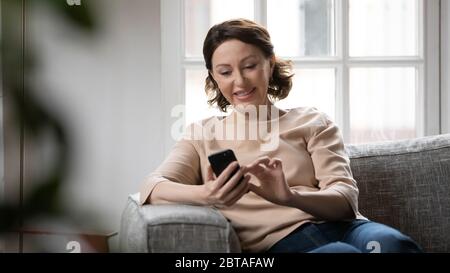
<point>242,73</point>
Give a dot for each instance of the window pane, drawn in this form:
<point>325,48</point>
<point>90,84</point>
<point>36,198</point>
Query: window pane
<point>312,87</point>
<point>200,15</point>
<point>382,104</point>
<point>383,27</point>
<point>302,27</point>
<point>196,100</point>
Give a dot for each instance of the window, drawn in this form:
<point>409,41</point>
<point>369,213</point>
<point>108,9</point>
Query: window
<point>363,62</point>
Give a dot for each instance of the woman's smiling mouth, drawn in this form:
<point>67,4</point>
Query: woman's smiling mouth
<point>243,95</point>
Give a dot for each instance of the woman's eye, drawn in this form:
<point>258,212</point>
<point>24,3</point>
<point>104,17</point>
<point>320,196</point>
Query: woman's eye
<point>225,73</point>
<point>250,66</point>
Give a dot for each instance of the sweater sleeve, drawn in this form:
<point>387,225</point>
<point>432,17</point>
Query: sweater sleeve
<point>331,163</point>
<point>182,165</point>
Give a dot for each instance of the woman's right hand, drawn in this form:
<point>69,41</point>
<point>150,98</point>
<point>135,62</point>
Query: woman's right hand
<point>219,192</point>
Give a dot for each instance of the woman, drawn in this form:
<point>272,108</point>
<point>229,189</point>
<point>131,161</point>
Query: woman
<point>297,196</point>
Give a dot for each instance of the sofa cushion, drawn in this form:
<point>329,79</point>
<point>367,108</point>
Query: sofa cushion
<point>406,184</point>
<point>175,228</point>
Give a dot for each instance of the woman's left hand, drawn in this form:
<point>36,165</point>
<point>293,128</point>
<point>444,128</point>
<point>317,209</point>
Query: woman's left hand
<point>273,185</point>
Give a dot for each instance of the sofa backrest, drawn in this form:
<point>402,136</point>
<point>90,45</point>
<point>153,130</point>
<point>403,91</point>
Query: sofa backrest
<point>406,184</point>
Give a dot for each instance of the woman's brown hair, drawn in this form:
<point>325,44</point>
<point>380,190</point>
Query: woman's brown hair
<point>250,33</point>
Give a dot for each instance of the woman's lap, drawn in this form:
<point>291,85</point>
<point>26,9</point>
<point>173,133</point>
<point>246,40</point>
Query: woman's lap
<point>376,237</point>
<point>352,236</point>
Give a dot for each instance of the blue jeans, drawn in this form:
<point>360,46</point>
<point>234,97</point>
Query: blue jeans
<point>357,236</point>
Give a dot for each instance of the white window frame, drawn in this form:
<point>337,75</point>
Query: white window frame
<point>428,108</point>
<point>445,66</point>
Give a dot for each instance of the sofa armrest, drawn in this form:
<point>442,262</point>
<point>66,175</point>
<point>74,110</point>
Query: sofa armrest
<point>175,228</point>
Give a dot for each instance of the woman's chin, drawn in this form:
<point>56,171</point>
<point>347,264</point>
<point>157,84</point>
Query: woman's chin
<point>244,105</point>
<point>253,103</point>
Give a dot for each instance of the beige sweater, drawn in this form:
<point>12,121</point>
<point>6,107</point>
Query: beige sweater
<point>311,149</point>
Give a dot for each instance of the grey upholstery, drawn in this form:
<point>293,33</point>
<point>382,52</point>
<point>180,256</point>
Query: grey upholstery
<point>404,184</point>
<point>175,228</point>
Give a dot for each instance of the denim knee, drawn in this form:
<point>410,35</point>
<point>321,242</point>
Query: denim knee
<point>336,247</point>
<point>375,238</point>
<point>396,242</point>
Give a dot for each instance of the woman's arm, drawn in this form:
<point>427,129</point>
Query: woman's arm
<point>327,204</point>
<point>333,206</point>
<point>179,180</point>
<point>219,192</point>
<point>168,192</point>
<point>182,166</point>
<point>337,194</point>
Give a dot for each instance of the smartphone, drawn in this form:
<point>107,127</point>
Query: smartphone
<point>219,162</point>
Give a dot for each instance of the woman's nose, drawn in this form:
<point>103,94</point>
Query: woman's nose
<point>239,80</point>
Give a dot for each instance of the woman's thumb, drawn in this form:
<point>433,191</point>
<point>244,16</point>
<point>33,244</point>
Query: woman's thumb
<point>210,174</point>
<point>254,188</point>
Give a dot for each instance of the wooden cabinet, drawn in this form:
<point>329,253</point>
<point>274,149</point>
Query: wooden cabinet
<point>49,241</point>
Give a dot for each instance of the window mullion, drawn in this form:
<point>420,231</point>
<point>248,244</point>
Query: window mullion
<point>261,12</point>
<point>420,101</point>
<point>445,67</point>
<point>190,60</point>
<point>344,101</point>
<point>315,63</point>
<point>431,87</point>
<point>383,62</point>
<point>342,72</point>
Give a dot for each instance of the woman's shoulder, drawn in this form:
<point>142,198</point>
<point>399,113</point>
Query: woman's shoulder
<point>203,122</point>
<point>305,110</point>
<point>196,130</point>
<point>311,116</point>
<point>310,121</point>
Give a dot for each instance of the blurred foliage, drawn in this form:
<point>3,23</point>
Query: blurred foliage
<point>26,112</point>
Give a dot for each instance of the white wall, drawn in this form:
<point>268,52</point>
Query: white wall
<point>107,89</point>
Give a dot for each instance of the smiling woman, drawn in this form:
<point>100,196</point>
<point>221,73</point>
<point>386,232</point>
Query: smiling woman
<point>241,81</point>
<point>244,73</point>
<point>298,196</point>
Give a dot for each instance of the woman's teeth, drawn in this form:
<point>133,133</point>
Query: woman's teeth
<point>243,93</point>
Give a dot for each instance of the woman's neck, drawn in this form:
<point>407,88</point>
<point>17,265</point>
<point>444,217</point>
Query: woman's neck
<point>263,112</point>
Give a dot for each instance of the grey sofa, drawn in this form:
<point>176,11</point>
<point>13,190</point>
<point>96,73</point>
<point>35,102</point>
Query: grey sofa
<point>404,184</point>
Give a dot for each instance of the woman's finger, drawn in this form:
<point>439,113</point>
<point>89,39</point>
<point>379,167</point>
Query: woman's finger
<point>232,182</point>
<point>256,189</point>
<point>256,169</point>
<point>275,163</point>
<point>238,192</point>
<point>262,160</point>
<point>226,174</point>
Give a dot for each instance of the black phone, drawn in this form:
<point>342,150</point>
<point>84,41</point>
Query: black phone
<point>219,162</point>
